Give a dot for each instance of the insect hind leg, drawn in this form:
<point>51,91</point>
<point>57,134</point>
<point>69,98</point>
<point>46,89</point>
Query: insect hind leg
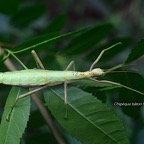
<point>21,97</point>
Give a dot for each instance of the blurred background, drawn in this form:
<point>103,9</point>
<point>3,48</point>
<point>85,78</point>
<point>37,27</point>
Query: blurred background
<point>112,21</point>
<point>22,19</point>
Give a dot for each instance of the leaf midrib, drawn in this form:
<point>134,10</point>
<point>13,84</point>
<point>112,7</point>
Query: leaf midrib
<point>88,119</point>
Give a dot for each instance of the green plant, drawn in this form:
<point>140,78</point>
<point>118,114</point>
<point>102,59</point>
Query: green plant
<point>93,116</point>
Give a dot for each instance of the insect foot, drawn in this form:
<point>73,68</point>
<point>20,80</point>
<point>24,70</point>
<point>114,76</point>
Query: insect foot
<point>9,115</point>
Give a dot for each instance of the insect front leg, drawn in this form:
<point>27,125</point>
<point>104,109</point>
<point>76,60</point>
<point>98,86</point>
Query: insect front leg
<point>101,54</point>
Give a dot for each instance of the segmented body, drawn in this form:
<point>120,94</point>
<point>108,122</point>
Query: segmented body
<point>38,77</point>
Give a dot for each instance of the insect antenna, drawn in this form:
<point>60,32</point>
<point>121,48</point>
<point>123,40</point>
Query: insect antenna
<point>112,70</point>
<point>122,71</point>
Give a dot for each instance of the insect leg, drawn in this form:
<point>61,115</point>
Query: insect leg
<point>101,54</point>
<point>70,64</point>
<point>65,84</point>
<point>37,60</point>
<point>65,93</point>
<point>65,100</point>
<point>65,88</point>
<point>117,84</point>
<point>23,96</point>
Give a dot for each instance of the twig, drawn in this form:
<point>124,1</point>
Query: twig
<point>8,63</point>
<point>7,44</point>
<point>48,119</point>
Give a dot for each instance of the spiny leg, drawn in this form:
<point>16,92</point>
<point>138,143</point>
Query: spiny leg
<point>65,88</point>
<point>37,60</point>
<point>101,54</point>
<point>117,84</point>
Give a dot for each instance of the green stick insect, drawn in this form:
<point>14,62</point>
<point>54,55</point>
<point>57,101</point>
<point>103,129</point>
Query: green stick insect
<point>46,78</point>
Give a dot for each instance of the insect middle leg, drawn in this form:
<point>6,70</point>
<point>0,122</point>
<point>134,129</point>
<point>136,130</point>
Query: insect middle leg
<point>65,83</point>
<point>65,88</point>
<point>37,60</point>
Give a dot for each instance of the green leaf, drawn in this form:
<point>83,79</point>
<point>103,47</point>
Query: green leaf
<point>12,131</point>
<point>43,41</point>
<point>137,52</point>
<point>89,120</point>
<point>88,39</point>
<point>135,81</point>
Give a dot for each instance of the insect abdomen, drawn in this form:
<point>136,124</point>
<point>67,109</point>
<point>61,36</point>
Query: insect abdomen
<point>23,77</point>
<point>34,77</point>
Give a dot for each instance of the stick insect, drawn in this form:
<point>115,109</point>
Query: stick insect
<point>46,78</point>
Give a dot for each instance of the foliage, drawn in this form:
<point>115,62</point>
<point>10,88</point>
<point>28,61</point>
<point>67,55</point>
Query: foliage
<point>11,132</point>
<point>93,116</point>
<point>86,117</point>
